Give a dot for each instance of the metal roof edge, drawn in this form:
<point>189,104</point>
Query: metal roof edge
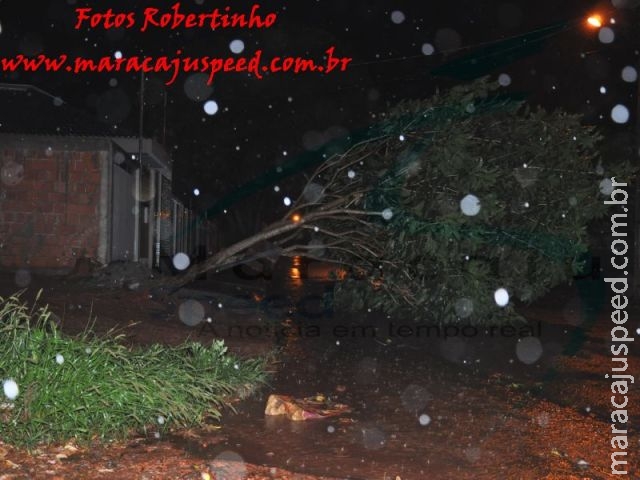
<point>25,140</point>
<point>152,152</point>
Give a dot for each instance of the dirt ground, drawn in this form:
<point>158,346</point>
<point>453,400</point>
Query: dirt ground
<point>141,316</point>
<point>551,422</point>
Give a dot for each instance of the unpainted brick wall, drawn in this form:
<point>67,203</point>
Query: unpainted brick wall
<point>49,207</point>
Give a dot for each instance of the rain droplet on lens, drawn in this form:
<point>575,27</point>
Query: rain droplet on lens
<point>397,17</point>
<point>504,80</point>
<point>464,307</point>
<point>181,261</point>
<point>236,46</point>
<point>629,74</point>
<point>191,312</point>
<point>197,87</point>
<point>428,49</point>
<point>424,419</point>
<point>529,350</point>
<point>470,205</point>
<point>501,296</point>
<point>620,114</point>
<point>415,398</point>
<point>210,107</point>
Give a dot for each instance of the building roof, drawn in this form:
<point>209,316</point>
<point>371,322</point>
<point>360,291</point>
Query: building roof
<point>28,112</point>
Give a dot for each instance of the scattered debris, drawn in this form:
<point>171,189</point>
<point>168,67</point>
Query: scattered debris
<point>308,408</point>
<point>84,267</point>
<point>130,275</point>
<point>583,464</point>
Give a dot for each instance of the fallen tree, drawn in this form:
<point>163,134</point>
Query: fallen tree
<point>448,208</point>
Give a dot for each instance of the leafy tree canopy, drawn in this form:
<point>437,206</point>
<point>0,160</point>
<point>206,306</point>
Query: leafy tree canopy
<point>448,200</point>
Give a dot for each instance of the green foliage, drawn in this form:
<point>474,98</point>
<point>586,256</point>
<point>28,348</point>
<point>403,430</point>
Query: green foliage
<point>103,389</point>
<point>535,173</point>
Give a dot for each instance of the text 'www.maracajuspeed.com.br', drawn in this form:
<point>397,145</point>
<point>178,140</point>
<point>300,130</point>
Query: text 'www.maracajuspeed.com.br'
<point>173,66</point>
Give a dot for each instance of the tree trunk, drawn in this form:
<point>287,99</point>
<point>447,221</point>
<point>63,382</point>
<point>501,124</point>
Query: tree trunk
<point>230,256</point>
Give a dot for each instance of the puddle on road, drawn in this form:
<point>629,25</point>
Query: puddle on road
<point>421,407</point>
<point>412,413</point>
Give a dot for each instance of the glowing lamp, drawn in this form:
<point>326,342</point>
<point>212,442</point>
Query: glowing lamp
<point>595,21</point>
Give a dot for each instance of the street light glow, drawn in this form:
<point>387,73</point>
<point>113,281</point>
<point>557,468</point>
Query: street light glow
<point>595,21</point>
<point>296,218</point>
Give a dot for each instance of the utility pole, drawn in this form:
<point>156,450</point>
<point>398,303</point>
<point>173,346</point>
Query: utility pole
<point>138,174</point>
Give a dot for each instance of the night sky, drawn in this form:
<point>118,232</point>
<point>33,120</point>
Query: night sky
<point>263,123</point>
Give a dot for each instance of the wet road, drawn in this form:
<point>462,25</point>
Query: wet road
<point>422,406</point>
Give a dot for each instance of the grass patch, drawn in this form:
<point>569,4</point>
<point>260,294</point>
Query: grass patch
<point>88,387</point>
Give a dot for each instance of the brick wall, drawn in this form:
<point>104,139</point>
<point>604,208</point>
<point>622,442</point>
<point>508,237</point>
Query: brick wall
<point>49,207</point>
